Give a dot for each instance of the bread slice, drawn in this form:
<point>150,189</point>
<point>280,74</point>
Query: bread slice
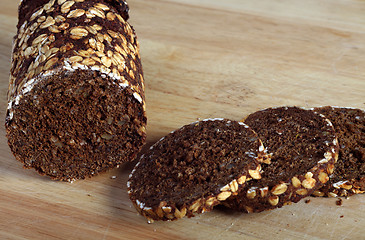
<point>304,150</point>
<point>349,175</point>
<point>195,168</point>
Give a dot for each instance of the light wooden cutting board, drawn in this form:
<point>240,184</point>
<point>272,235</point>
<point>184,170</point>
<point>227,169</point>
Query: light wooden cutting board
<point>206,58</point>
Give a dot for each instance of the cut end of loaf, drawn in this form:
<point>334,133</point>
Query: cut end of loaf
<point>194,168</point>
<point>76,126</point>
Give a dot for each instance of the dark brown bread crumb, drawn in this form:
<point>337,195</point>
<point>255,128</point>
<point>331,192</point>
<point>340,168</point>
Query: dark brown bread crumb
<point>307,201</point>
<point>194,168</point>
<point>339,202</point>
<point>76,96</point>
<point>304,149</point>
<point>349,175</point>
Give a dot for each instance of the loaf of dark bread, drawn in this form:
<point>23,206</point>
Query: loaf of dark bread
<point>76,103</point>
<point>195,168</point>
<point>304,150</point>
<point>349,175</point>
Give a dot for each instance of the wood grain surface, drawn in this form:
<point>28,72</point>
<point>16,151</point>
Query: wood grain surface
<point>206,58</point>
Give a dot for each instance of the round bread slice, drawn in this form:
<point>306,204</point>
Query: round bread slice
<point>304,150</point>
<point>195,168</point>
<point>349,175</point>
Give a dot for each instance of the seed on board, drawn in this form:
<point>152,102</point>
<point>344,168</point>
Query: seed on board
<point>78,32</point>
<point>49,21</point>
<point>76,13</point>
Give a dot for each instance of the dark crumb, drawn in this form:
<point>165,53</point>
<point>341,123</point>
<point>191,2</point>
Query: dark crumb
<point>89,195</point>
<point>339,202</point>
<point>307,201</point>
<point>341,216</point>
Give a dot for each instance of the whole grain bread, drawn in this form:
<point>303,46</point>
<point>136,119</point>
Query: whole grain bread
<point>349,175</point>
<point>76,103</point>
<point>304,150</point>
<point>195,168</point>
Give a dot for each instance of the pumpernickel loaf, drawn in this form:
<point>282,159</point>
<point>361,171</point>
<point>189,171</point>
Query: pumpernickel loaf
<point>76,104</point>
<point>195,168</point>
<point>349,175</point>
<point>304,150</point>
